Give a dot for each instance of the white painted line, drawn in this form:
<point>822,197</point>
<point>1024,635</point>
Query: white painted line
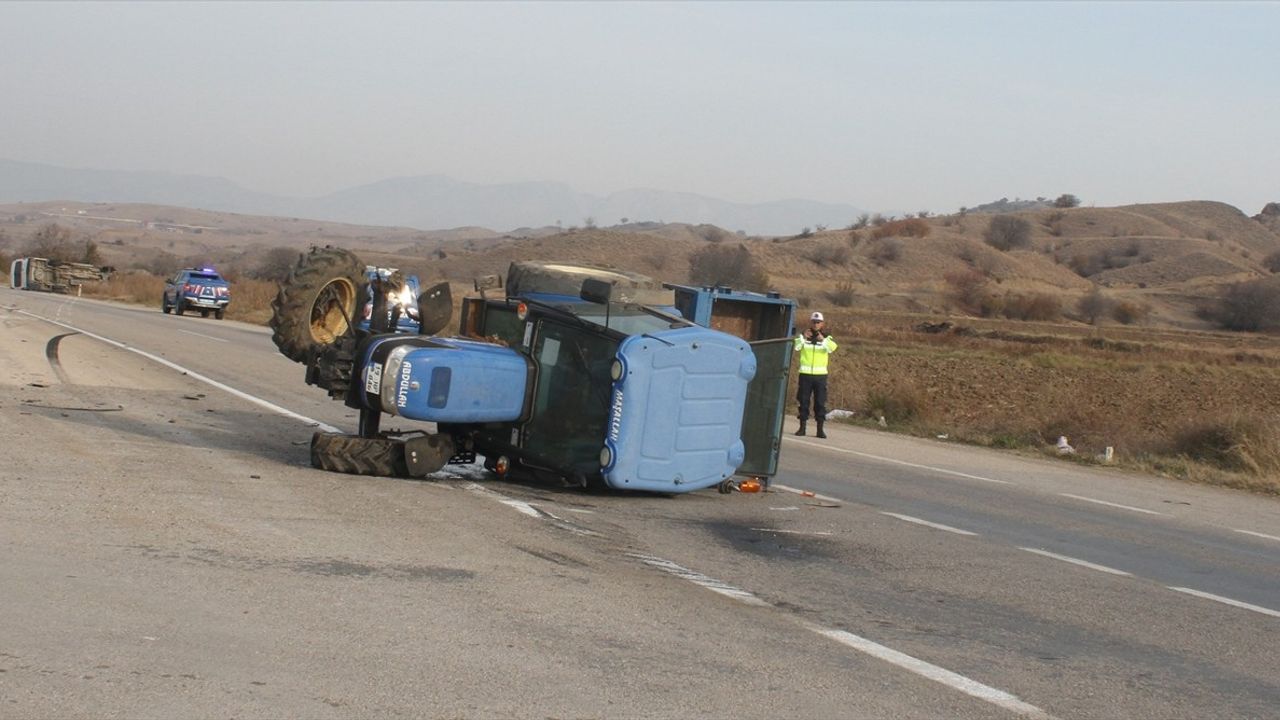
<point>193,375</point>
<point>789,507</point>
<point>806,493</point>
<point>915,665</point>
<point>1227,601</point>
<point>1114,505</point>
<point>1076,561</point>
<point>207,337</point>
<point>935,525</point>
<point>1257,534</point>
<point>933,672</point>
<point>899,462</point>
<point>701,580</point>
<point>525,508</point>
<point>793,532</point>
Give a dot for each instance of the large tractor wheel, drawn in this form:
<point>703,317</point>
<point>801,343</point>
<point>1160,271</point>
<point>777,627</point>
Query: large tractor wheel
<point>317,301</point>
<point>356,455</point>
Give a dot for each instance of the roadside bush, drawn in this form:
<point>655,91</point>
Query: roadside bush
<point>275,264</point>
<point>885,251</point>
<point>1007,233</point>
<point>912,227</point>
<point>843,295</point>
<point>1239,444</point>
<point>722,264</point>
<point>896,403</point>
<point>54,242</point>
<point>1248,306</point>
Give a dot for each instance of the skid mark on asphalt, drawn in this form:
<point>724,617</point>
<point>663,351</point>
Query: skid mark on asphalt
<point>191,374</point>
<point>51,354</point>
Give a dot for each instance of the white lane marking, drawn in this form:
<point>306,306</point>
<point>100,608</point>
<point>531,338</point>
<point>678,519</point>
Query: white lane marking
<point>901,462</point>
<point>192,374</point>
<point>806,493</point>
<point>701,580</point>
<point>1114,505</point>
<point>1227,601</point>
<point>789,507</point>
<point>1257,534</point>
<point>915,665</point>
<point>1077,561</point>
<point>207,337</point>
<point>525,508</point>
<point>793,532</point>
<point>938,526</point>
<point>933,672</point>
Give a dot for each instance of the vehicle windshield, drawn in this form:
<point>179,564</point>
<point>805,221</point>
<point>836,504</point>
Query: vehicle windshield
<point>571,400</point>
<point>203,276</point>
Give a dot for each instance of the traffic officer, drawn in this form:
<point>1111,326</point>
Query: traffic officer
<point>814,346</point>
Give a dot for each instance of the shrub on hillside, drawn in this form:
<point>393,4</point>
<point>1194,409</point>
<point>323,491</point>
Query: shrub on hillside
<point>967,288</point>
<point>1066,200</point>
<point>721,264</point>
<point>1093,306</point>
<point>1006,232</point>
<point>1272,262</point>
<point>912,227</point>
<point>1127,312</point>
<point>825,255</point>
<point>1248,306</point>
<point>1032,306</point>
<point>843,295</point>
<point>885,251</point>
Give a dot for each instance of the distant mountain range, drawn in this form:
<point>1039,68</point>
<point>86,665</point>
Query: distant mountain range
<point>427,202</point>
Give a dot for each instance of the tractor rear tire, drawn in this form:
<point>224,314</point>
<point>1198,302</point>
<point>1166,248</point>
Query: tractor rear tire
<point>352,454</point>
<point>321,295</point>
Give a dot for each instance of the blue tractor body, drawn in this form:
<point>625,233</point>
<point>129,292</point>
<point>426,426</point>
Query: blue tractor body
<point>578,388</point>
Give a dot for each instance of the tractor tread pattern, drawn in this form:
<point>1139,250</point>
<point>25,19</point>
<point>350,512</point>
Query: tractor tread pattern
<point>291,309</point>
<point>355,455</point>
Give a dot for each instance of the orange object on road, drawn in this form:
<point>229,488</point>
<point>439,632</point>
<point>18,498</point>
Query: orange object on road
<point>750,485</point>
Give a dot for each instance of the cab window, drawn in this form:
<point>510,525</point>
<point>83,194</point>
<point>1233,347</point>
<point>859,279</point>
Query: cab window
<point>571,399</point>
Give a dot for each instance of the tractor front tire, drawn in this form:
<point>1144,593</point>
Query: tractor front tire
<point>352,454</point>
<point>322,294</point>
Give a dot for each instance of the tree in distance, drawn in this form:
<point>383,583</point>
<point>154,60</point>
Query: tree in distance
<point>1066,200</point>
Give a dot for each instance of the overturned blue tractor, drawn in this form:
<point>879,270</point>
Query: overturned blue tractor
<point>584,375</point>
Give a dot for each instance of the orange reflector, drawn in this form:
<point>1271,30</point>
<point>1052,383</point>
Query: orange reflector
<point>502,466</point>
<point>522,311</point>
<point>750,485</point>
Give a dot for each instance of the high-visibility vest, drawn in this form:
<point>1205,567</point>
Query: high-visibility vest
<point>813,355</point>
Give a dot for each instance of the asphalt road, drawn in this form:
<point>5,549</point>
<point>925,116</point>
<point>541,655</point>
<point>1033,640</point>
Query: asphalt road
<point>168,551</point>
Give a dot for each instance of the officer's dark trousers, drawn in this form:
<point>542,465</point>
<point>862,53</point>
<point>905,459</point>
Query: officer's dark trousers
<point>815,386</point>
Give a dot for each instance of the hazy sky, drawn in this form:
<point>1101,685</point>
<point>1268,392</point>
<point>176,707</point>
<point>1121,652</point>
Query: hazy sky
<point>885,106</point>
